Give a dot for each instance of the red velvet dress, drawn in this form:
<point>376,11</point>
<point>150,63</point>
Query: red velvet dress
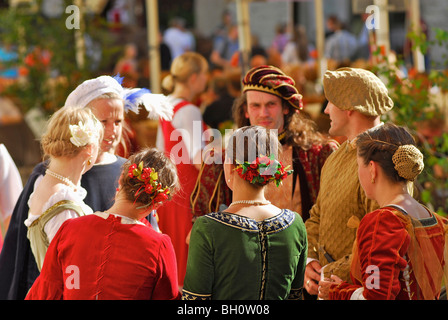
<point>394,259</point>
<point>175,216</point>
<point>107,257</point>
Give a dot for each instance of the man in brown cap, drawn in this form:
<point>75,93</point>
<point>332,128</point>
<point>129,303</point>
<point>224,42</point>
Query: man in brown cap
<point>356,100</point>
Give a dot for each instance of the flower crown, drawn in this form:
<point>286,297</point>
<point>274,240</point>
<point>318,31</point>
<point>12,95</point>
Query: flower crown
<point>148,179</point>
<point>263,170</point>
<point>83,133</point>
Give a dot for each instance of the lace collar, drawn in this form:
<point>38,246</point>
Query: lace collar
<point>272,225</point>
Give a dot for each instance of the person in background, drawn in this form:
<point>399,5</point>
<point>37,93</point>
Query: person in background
<point>281,38</point>
<point>182,140</point>
<point>71,144</point>
<point>119,257</point>
<point>127,66</point>
<point>218,114</point>
<point>225,49</point>
<point>403,239</point>
<point>296,51</point>
<point>341,46</point>
<point>356,100</point>
<point>253,250</point>
<point>177,38</point>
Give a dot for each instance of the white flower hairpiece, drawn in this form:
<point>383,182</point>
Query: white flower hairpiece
<point>83,134</point>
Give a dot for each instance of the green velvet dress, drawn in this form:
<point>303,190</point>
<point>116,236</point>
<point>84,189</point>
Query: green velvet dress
<point>232,257</point>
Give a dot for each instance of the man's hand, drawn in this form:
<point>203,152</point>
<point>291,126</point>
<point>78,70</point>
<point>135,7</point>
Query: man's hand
<point>312,277</point>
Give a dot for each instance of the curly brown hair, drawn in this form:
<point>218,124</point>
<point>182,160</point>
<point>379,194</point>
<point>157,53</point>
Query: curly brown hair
<point>155,159</point>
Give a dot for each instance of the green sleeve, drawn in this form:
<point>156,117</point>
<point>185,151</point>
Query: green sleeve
<point>198,282</point>
<point>297,284</point>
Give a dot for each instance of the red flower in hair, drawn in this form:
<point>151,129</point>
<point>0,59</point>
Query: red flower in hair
<point>146,174</point>
<point>148,178</point>
<point>148,188</point>
<point>131,170</point>
<point>263,170</point>
<point>160,197</point>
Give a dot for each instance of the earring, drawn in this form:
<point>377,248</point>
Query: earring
<point>89,161</point>
<point>373,180</point>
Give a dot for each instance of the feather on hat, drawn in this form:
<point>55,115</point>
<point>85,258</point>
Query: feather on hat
<point>156,104</point>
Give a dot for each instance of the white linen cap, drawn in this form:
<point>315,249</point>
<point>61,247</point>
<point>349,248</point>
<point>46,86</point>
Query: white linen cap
<point>156,104</point>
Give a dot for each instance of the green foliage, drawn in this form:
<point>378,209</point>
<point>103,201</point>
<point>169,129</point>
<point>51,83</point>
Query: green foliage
<point>47,56</point>
<point>416,108</point>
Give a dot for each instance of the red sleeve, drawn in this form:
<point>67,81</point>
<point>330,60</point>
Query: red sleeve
<point>166,287</point>
<point>343,291</point>
<point>49,285</point>
<point>382,243</point>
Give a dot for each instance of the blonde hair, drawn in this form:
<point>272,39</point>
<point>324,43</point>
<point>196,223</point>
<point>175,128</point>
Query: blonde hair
<point>56,142</point>
<point>182,68</point>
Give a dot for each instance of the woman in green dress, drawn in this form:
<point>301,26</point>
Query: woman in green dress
<point>252,250</point>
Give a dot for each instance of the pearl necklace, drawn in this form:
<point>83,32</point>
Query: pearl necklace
<point>66,180</point>
<point>251,202</point>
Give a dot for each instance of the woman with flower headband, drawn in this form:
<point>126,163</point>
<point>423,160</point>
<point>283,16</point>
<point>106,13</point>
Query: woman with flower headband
<point>112,255</point>
<point>252,250</point>
<point>71,143</point>
<point>400,248</point>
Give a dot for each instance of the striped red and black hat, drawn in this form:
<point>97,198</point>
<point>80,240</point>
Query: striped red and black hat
<point>274,81</point>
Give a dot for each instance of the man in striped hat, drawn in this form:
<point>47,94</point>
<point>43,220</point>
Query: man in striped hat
<point>271,100</point>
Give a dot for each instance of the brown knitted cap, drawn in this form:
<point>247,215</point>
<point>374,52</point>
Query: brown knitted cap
<point>357,89</point>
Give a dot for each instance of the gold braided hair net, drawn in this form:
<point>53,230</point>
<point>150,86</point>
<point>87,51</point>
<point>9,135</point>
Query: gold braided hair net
<point>408,161</point>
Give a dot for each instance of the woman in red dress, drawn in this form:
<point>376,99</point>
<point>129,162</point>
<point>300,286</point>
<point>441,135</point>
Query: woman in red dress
<point>183,139</point>
<point>112,255</point>
<point>400,249</point>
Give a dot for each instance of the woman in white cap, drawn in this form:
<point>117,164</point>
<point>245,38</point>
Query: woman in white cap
<point>108,101</point>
